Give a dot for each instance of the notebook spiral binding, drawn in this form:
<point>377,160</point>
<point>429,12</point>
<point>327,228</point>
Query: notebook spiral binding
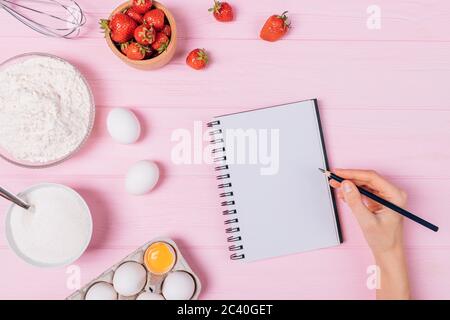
<point>232,223</point>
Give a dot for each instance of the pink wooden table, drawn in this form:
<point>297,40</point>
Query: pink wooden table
<point>385,101</point>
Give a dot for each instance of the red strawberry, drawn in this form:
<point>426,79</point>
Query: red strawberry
<point>197,59</point>
<point>124,47</point>
<point>135,51</point>
<point>161,42</point>
<point>141,6</point>
<point>167,30</point>
<point>135,15</point>
<point>155,17</point>
<point>222,11</point>
<point>120,27</point>
<point>275,27</point>
<point>144,34</point>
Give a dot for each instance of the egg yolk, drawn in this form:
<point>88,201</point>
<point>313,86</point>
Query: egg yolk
<point>159,258</point>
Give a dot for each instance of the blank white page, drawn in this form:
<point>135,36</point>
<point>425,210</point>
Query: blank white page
<point>290,211</point>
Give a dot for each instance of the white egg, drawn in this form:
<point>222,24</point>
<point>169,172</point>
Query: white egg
<point>178,285</point>
<point>101,291</point>
<point>129,278</point>
<point>141,177</point>
<point>123,125</point>
<point>149,296</point>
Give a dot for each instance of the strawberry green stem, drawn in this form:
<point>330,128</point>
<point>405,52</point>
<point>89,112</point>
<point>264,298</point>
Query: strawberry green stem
<point>284,17</point>
<point>216,7</point>
<point>104,24</point>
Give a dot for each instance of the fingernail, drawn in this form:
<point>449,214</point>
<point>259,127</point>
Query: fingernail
<point>347,187</point>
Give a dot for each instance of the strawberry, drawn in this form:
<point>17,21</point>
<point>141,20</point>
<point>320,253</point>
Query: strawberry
<point>155,18</point>
<point>167,30</point>
<point>135,51</point>
<point>135,15</point>
<point>144,34</point>
<point>275,27</point>
<point>222,11</point>
<point>161,42</point>
<point>124,47</point>
<point>141,6</point>
<point>197,59</point>
<point>120,27</point>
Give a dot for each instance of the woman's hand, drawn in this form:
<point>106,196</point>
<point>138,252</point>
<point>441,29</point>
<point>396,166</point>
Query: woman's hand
<point>381,226</point>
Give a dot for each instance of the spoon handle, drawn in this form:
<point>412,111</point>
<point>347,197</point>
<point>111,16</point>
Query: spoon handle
<point>9,196</point>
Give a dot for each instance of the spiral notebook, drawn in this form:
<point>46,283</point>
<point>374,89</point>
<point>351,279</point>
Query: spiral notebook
<point>275,200</point>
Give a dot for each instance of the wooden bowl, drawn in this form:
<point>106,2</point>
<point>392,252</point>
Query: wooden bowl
<point>153,63</point>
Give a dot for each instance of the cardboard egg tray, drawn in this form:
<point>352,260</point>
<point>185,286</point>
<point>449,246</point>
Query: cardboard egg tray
<point>154,282</point>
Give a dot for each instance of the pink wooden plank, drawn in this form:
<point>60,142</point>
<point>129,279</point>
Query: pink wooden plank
<point>341,74</point>
<point>220,277</point>
<point>324,274</point>
<point>191,208</point>
<point>311,20</point>
<point>382,138</point>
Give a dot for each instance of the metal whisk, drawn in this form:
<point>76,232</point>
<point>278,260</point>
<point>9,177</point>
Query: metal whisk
<point>54,18</point>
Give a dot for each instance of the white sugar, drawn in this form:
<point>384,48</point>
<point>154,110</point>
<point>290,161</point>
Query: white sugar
<point>55,230</point>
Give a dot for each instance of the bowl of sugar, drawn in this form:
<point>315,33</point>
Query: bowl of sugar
<point>55,231</point>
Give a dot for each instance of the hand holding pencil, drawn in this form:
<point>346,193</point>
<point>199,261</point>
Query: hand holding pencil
<point>382,227</point>
<point>380,200</point>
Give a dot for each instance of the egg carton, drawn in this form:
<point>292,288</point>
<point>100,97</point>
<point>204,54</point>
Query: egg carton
<point>154,282</point>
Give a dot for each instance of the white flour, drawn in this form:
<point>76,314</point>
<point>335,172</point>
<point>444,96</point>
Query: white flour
<point>44,110</point>
<point>55,230</point>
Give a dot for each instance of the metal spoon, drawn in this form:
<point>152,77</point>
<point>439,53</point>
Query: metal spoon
<point>9,196</point>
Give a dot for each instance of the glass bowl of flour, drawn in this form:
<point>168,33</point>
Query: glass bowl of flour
<point>47,110</point>
<point>55,231</point>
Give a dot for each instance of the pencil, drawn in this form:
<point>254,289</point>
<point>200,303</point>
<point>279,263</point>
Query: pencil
<point>385,203</point>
